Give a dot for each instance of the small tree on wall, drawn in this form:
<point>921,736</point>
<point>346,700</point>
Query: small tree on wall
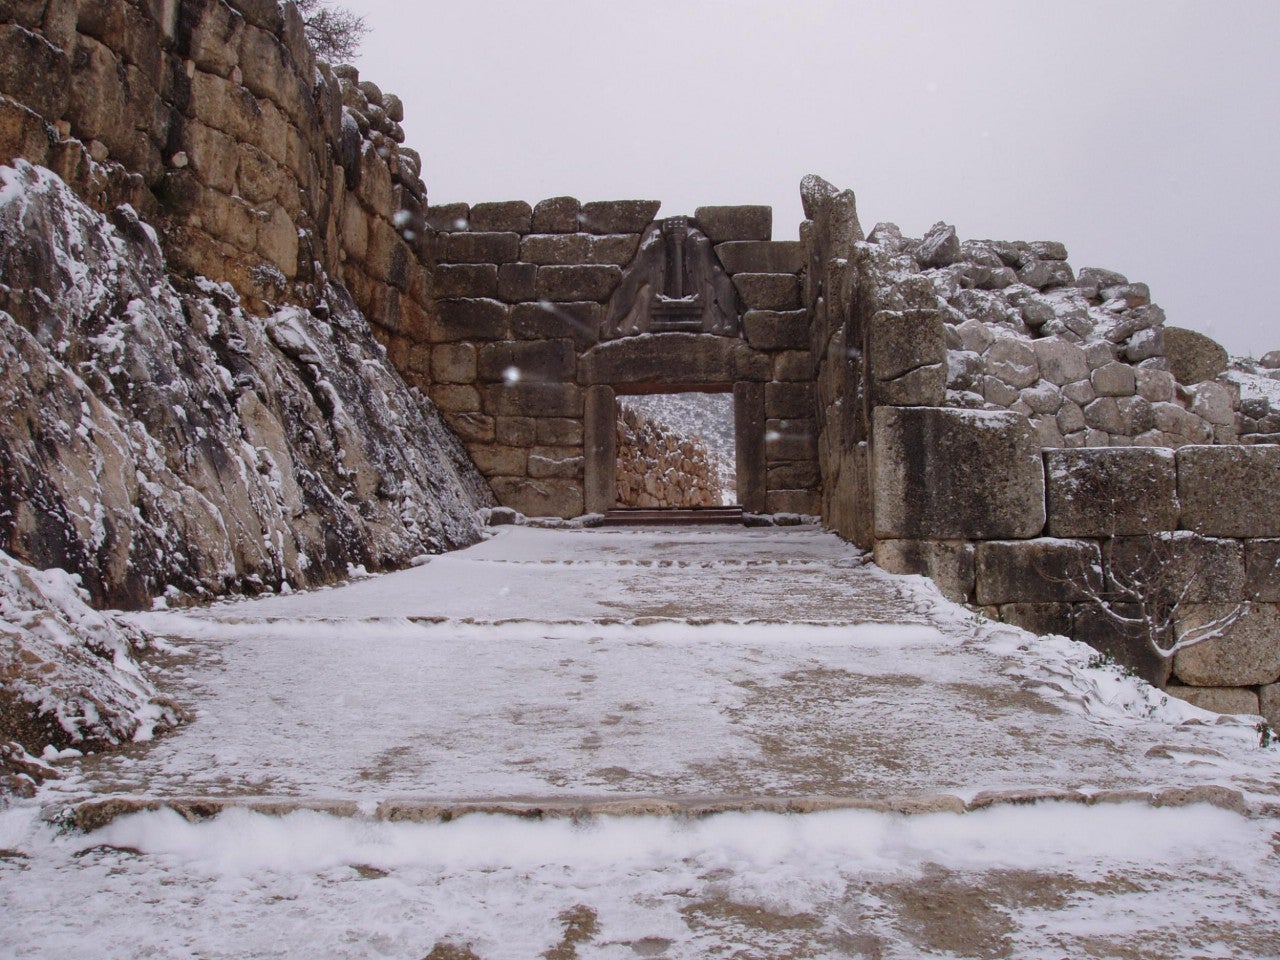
<point>334,32</point>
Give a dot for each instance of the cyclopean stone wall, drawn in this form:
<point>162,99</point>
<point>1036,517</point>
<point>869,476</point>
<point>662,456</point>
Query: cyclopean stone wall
<point>1011,428</point>
<point>658,467</point>
<point>523,363</point>
<point>258,165</point>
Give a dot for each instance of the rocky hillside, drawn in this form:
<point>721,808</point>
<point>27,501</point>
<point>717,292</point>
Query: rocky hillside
<point>158,438</point>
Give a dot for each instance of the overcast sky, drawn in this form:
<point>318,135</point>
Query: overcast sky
<point>1143,134</point>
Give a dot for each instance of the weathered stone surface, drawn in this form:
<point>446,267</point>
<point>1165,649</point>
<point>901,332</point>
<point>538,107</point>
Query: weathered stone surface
<point>956,474</point>
<point>794,475</point>
<point>768,291</point>
<point>479,247</point>
<point>1014,362</point>
<point>1125,641</point>
<point>454,363</point>
<point>1247,654</point>
<point>749,451</point>
<point>1041,618</point>
<point>1229,491</point>
<point>619,216</point>
<point>600,449</point>
<point>569,284</point>
<point>471,319</point>
<point>790,439</point>
<point>1036,571</point>
<point>1192,356</point>
<point>1269,700</point>
<point>1262,570</point>
<point>449,217</point>
<point>539,498</point>
<point>789,400</point>
<point>495,460</point>
<point>579,322</point>
<point>940,246</point>
<point>557,215</point>
<point>1218,699</point>
<point>1060,362</point>
<point>723,224</point>
<point>517,282</point>
<point>468,280</point>
<point>777,330</point>
<point>1213,402</point>
<point>556,248</point>
<point>1114,380</point>
<point>672,360</point>
<point>761,256</point>
<point>899,342</point>
<point>1044,274</point>
<point>948,563</point>
<point>510,216</point>
<point>1180,567</point>
<point>526,399</point>
<point>1155,386</point>
<point>1112,492</point>
<point>1104,414</point>
<point>793,365</point>
<point>533,360</point>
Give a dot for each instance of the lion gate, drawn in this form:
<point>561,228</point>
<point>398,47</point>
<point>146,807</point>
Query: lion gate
<point>547,314</point>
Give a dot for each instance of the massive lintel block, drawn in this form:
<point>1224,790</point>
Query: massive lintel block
<point>1230,491</point>
<point>667,360</point>
<point>951,474</point>
<point>1108,492</point>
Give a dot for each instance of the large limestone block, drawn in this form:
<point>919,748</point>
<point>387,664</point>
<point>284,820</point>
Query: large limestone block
<point>948,563</point>
<point>1037,571</point>
<point>1230,491</point>
<point>507,216</point>
<point>1111,492</point>
<point>34,72</point>
<point>956,474</point>
<point>574,283</point>
<point>777,330</point>
<point>539,497</point>
<point>722,224</point>
<point>1269,700</point>
<point>1247,653</point>
<point>579,322</point>
<point>1180,567</point>
<point>1262,563</point>
<point>768,291</point>
<point>471,319</point>
<point>907,353</point>
<point>1192,356</point>
<point>479,247</point>
<point>672,360</point>
<point>1218,699</point>
<point>557,215</point>
<point>619,216</point>
<point>528,399</point>
<point>1041,618</point>
<point>534,360</point>
<point>761,256</point>
<point>1116,632</point>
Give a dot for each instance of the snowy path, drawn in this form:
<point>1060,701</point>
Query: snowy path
<point>569,673</point>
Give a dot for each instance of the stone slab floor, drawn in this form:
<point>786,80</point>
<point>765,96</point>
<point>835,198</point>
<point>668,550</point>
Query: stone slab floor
<point>697,742</point>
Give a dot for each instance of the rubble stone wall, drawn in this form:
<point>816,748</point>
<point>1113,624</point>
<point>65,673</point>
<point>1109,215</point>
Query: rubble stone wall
<point>517,342</point>
<point>258,165</point>
<point>659,468</point>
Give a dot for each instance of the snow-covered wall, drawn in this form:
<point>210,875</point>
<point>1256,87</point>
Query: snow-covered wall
<point>158,437</point>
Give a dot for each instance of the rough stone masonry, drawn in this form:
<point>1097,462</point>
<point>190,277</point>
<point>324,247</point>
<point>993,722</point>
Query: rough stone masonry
<point>978,411</point>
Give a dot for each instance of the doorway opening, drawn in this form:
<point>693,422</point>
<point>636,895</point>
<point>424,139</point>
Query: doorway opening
<point>676,451</point>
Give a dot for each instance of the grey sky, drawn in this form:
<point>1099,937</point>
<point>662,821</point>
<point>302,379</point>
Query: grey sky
<point>1144,135</point>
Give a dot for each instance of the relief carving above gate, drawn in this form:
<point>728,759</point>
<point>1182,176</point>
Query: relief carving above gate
<point>674,284</point>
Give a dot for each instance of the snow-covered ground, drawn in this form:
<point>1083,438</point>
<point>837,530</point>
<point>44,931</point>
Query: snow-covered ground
<point>607,690</point>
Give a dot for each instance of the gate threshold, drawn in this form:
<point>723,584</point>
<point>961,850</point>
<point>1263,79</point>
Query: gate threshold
<point>673,516</point>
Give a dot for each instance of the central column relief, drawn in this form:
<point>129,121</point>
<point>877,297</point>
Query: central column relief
<point>675,284</point>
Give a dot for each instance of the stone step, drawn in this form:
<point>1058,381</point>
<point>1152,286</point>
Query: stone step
<point>672,516</point>
<point>96,812</point>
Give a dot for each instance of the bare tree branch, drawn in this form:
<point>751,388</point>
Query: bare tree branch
<point>334,32</point>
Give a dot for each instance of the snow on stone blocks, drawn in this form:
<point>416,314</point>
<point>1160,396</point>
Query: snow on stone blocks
<point>1230,491</point>
<point>945,474</point>
<point>1112,492</point>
